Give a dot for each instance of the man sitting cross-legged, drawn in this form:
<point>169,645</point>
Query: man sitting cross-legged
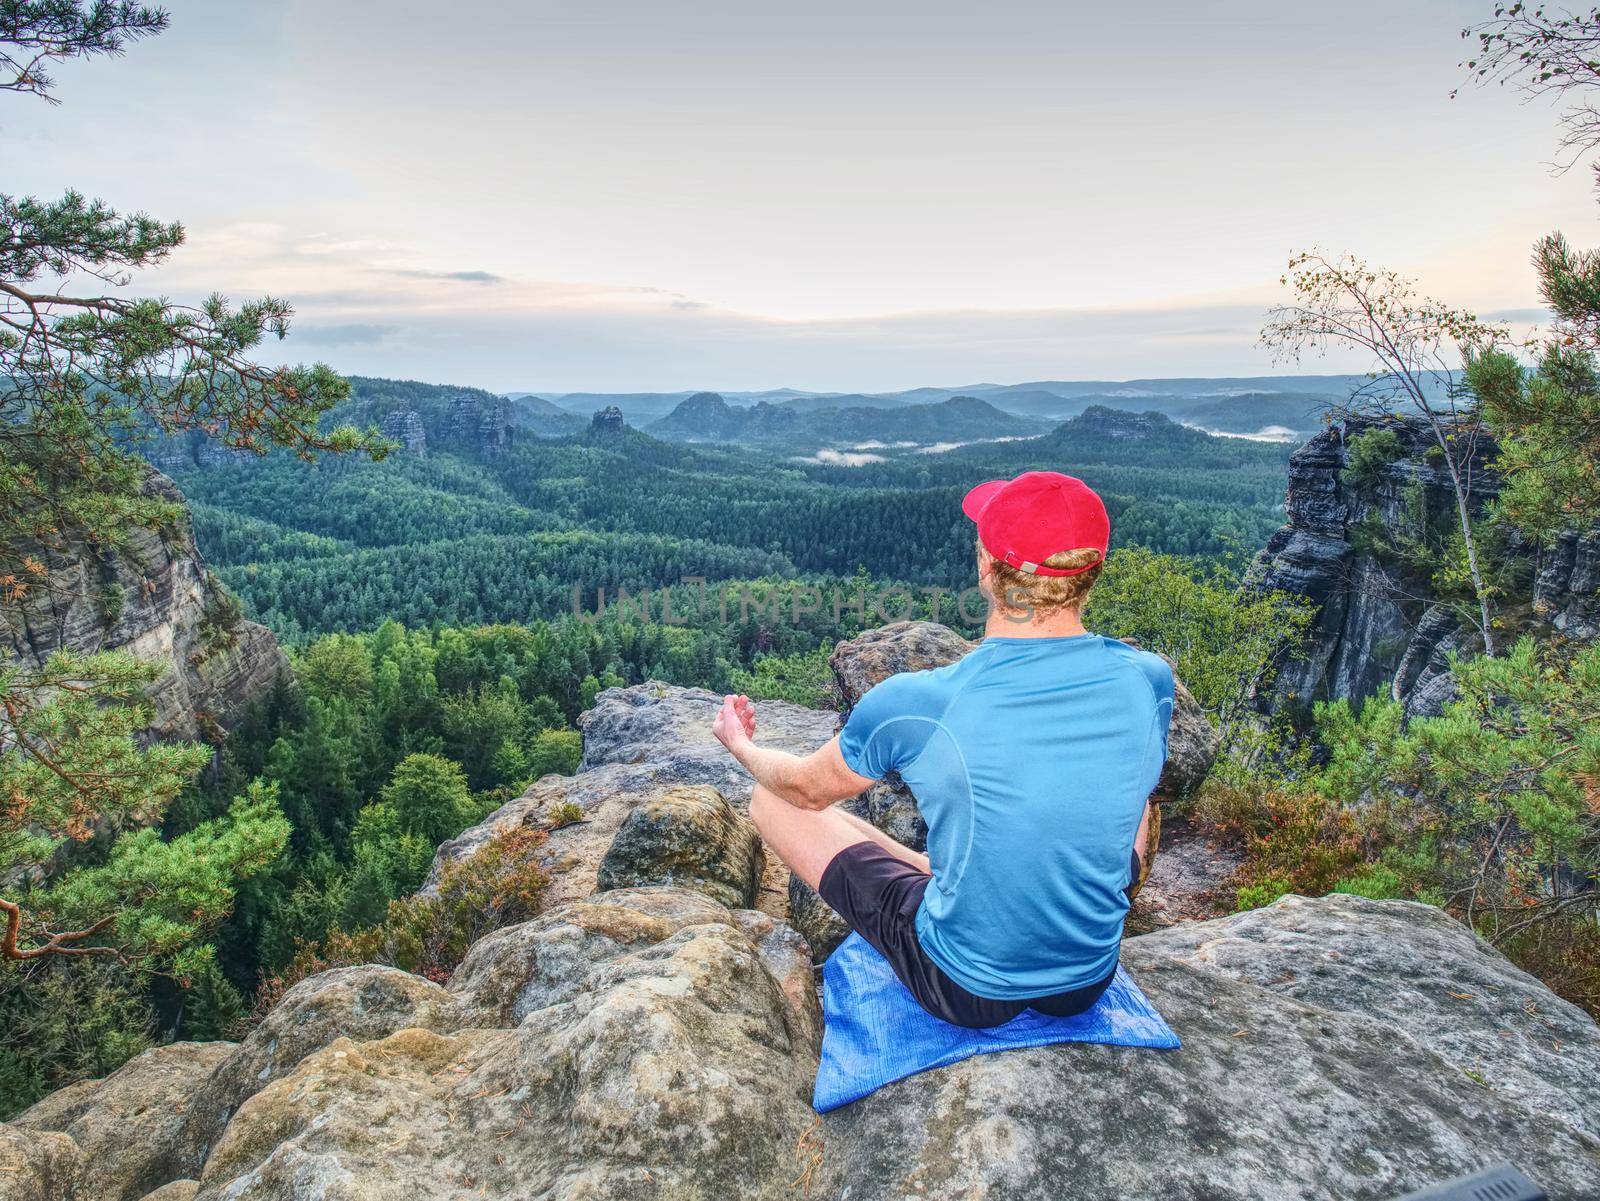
<point>1032,760</point>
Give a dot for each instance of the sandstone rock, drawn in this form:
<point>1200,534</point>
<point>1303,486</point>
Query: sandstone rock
<point>639,742</point>
<point>405,427</point>
<point>479,423</point>
<point>656,722</point>
<point>153,598</point>
<point>1342,1049</point>
<point>787,957</point>
<point>661,1066</point>
<point>1187,881</point>
<point>872,657</point>
<point>1377,632</point>
<point>132,1126</point>
<point>688,837</point>
<point>649,1043</point>
<point>38,1166</point>
<point>607,422</point>
<point>1192,744</point>
<point>364,1002</point>
<point>890,806</point>
<point>520,969</point>
<point>1416,969</point>
<point>178,1190</point>
<point>1567,589</point>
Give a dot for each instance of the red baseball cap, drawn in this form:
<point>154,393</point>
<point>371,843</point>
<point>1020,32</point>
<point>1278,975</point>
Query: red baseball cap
<point>1040,513</point>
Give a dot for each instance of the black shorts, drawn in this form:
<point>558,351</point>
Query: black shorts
<point>878,896</point>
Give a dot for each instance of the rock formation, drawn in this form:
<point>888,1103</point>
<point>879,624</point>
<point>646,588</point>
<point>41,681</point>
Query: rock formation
<point>1377,631</point>
<point>1120,425</point>
<point>639,744</point>
<point>405,427</point>
<point>607,422</point>
<point>480,424</point>
<point>153,598</point>
<point>132,1126</point>
<point>654,1042</point>
<point>690,836</point>
<point>650,1043</point>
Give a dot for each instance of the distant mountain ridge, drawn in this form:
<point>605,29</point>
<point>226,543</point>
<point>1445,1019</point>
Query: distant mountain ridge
<point>708,417</point>
<point>1229,404</point>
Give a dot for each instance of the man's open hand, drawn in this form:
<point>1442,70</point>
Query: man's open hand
<point>736,721</point>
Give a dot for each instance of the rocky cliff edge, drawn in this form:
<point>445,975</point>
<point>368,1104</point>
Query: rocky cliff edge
<point>153,598</point>
<point>650,1041</point>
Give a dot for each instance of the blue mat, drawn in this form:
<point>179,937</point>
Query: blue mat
<point>875,1032</point>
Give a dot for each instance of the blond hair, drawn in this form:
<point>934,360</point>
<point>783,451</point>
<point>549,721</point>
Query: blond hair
<point>1020,592</point>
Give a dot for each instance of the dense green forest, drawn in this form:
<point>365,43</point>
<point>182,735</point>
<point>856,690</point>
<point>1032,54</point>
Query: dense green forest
<point>459,536</point>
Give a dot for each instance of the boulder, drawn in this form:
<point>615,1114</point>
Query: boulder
<point>178,1190</point>
<point>132,1127</point>
<point>890,806</point>
<point>635,1046</point>
<point>39,1166</point>
<point>366,1002</point>
<point>520,969</point>
<point>656,722</point>
<point>639,743</point>
<point>1190,880</point>
<point>787,957</point>
<point>689,837</point>
<point>1337,1049</point>
<point>869,658</point>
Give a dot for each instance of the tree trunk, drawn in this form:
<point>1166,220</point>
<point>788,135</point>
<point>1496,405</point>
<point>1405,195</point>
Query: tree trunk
<point>1466,536</point>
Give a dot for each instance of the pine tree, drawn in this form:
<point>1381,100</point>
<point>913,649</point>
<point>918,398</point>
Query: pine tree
<point>1547,419</point>
<point>85,372</point>
<point>213,1008</point>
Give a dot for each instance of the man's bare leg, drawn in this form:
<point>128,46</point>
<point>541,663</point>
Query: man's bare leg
<point>807,840</point>
<point>898,849</point>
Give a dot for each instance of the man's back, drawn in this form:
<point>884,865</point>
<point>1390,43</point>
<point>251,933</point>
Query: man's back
<point>1031,760</point>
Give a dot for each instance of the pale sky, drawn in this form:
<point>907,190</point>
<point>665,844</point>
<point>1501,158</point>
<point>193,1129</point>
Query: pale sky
<point>741,194</point>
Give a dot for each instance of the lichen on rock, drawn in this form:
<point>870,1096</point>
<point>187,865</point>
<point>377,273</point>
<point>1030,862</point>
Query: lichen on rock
<point>689,837</point>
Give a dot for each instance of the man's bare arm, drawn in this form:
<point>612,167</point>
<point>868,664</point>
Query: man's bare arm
<point>812,781</point>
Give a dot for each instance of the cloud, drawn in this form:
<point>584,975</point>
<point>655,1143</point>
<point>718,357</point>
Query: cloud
<point>466,277</point>
<point>563,337</point>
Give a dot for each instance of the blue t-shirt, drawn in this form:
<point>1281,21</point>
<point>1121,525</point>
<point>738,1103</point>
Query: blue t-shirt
<point>1031,760</point>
